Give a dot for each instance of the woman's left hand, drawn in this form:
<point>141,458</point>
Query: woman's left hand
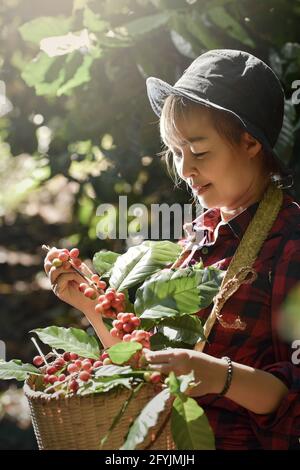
<point>210,372</point>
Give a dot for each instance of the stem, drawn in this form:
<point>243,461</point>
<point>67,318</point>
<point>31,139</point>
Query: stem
<point>67,379</point>
<point>39,350</point>
<point>87,279</point>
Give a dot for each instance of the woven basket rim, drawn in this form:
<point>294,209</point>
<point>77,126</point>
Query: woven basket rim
<point>45,397</point>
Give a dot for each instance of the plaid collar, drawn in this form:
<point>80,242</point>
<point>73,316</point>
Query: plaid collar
<point>211,219</point>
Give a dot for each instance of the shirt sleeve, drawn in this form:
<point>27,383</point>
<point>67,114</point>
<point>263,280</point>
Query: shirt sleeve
<point>281,429</point>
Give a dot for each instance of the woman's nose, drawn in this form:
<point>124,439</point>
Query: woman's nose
<point>187,166</point>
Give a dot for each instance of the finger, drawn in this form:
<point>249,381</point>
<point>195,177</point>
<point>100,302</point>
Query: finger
<point>54,273</point>
<point>162,368</point>
<point>62,282</point>
<point>47,266</point>
<point>53,253</point>
<point>158,356</point>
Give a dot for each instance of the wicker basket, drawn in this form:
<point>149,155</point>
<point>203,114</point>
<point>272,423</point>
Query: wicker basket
<point>78,423</point>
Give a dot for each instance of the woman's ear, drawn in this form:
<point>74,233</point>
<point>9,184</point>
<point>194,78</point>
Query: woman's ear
<point>251,145</point>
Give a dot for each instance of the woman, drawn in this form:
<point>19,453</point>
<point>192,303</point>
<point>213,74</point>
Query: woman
<point>219,123</point>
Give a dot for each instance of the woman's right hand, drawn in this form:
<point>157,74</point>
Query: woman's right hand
<point>65,284</point>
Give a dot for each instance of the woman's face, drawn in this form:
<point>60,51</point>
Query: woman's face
<point>232,172</point>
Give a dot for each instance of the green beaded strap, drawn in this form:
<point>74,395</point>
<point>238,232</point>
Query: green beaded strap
<point>241,264</point>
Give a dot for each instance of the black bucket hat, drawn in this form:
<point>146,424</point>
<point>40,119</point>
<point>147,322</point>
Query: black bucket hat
<point>233,81</point>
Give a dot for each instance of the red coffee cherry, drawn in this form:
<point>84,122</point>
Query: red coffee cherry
<point>155,377</point>
<point>74,385</point>
<point>38,361</point>
<point>63,256</point>
<point>67,356</point>
<point>84,376</point>
<point>73,356</point>
<point>74,253</point>
<point>51,370</point>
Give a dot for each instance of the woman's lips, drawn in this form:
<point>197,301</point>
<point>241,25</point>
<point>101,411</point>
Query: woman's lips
<point>201,189</point>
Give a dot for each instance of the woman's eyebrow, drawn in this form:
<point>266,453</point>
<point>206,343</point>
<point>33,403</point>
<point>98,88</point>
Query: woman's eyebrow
<point>196,139</point>
<point>191,140</point>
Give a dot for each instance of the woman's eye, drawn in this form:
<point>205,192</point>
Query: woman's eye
<point>199,154</point>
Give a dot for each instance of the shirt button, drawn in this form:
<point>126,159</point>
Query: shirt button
<point>204,250</point>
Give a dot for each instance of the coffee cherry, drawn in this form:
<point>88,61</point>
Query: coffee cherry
<point>66,356</point>
<point>115,333</point>
<point>102,285</point>
<point>147,376</point>
<point>126,317</point>
<point>86,365</point>
<point>38,361</point>
<point>155,377</point>
<point>57,262</point>
<point>95,278</point>
<point>97,364</point>
<point>78,363</point>
<point>63,256</point>
<point>136,322</point>
<point>61,377</point>
<point>52,379</point>
<point>106,304</point>
<point>120,296</point>
<point>46,379</point>
<point>51,370</point>
<point>127,338</point>
<point>76,262</point>
<point>90,293</point>
<point>59,362</point>
<point>107,362</point>
<point>104,355</point>
<point>73,356</point>
<point>84,375</point>
<point>110,296</point>
<point>74,385</point>
<point>72,368</point>
<point>83,286</point>
<point>74,253</point>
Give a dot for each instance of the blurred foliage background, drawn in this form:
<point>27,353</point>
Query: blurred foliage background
<point>77,130</point>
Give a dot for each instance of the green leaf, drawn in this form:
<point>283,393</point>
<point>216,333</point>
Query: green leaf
<point>173,383</point>
<point>185,290</point>
<point>70,340</point>
<point>93,21</point>
<point>158,341</point>
<point>120,413</point>
<point>285,142</point>
<point>43,27</point>
<point>145,24</point>
<point>289,319</point>
<point>103,261</point>
<point>82,75</point>
<point>15,369</point>
<point>35,73</point>
<point>146,420</point>
<point>186,329</point>
<point>111,370</point>
<point>190,426</point>
<point>225,21</point>
<point>140,262</point>
<point>195,25</point>
<point>103,386</point>
<point>121,352</point>
<point>159,312</point>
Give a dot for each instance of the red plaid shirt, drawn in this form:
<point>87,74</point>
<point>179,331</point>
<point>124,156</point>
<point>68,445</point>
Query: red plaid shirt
<point>259,345</point>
